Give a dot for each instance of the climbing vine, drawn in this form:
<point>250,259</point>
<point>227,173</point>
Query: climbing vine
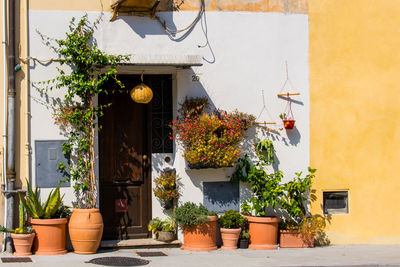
<point>90,70</point>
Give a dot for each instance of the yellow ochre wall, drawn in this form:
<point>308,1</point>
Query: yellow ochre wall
<point>355,114</point>
<point>20,105</point>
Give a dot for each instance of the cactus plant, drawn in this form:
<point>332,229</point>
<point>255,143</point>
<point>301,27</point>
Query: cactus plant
<point>33,204</point>
<point>21,229</point>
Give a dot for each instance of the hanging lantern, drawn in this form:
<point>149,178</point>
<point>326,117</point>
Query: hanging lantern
<point>141,93</point>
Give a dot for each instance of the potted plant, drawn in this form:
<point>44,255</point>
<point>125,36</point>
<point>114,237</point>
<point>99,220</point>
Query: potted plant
<point>164,230</point>
<point>231,227</point>
<point>288,122</point>
<point>49,227</point>
<point>199,227</point>
<point>267,191</point>
<point>244,239</point>
<point>210,139</point>
<point>298,230</point>
<point>77,117</point>
<point>22,236</point>
<point>166,189</point>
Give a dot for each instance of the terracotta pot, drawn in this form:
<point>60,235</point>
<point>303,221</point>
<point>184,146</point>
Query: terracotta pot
<point>23,244</point>
<point>202,237</point>
<point>288,124</point>
<point>293,239</point>
<point>50,236</point>
<point>166,236</point>
<point>230,238</point>
<point>263,232</point>
<point>85,230</point>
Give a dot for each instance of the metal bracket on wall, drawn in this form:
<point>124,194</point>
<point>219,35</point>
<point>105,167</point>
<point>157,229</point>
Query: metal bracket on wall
<point>9,192</point>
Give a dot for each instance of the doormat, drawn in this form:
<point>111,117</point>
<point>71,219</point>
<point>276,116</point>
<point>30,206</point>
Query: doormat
<point>15,259</point>
<point>118,261</point>
<point>151,254</point>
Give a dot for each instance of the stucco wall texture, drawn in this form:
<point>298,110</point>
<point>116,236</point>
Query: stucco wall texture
<point>355,91</point>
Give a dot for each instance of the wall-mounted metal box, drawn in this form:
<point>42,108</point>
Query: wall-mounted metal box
<point>221,196</point>
<point>48,154</point>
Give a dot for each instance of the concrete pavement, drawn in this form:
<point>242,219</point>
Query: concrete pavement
<point>360,255</point>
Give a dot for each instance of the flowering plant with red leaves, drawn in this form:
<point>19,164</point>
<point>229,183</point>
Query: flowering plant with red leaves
<point>211,140</point>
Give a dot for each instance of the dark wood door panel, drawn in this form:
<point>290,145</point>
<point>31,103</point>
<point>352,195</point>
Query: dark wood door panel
<point>125,178</point>
<point>125,144</point>
<point>124,212</point>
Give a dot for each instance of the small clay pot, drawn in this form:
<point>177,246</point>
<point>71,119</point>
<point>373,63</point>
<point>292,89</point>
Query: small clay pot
<point>288,124</point>
<point>230,238</point>
<point>23,244</point>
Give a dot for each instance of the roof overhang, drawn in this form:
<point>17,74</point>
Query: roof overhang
<point>179,61</point>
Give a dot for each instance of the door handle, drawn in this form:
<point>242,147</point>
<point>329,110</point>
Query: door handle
<point>144,157</point>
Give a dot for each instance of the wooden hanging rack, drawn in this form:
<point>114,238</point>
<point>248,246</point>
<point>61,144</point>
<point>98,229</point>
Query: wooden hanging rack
<point>263,108</point>
<point>265,123</point>
<point>287,94</point>
<point>284,84</point>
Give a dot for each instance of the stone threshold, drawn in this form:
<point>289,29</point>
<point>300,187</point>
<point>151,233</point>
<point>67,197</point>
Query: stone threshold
<point>139,243</point>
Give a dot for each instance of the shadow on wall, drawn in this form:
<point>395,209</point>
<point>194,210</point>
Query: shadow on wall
<point>164,24</point>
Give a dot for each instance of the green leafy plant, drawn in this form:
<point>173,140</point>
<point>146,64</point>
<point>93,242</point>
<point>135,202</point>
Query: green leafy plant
<point>268,191</point>
<point>245,209</point>
<point>157,225</point>
<point>191,214</point>
<point>33,206</point>
<point>283,116</point>
<point>232,220</point>
<point>295,195</point>
<point>265,150</point>
<point>245,234</point>
<point>266,187</point>
<point>21,229</point>
<point>77,113</point>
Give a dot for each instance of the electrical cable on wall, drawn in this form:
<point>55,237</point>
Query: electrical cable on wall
<point>172,32</point>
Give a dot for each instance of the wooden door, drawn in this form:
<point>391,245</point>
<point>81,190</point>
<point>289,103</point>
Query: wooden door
<point>125,164</point>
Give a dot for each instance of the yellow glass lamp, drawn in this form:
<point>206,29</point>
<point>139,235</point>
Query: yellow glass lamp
<point>142,93</point>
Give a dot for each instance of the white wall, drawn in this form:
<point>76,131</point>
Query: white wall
<point>246,54</point>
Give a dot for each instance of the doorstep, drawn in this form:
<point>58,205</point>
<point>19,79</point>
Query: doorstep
<point>139,243</point>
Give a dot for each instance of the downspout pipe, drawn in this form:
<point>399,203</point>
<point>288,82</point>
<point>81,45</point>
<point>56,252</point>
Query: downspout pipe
<point>10,195</point>
<point>5,89</point>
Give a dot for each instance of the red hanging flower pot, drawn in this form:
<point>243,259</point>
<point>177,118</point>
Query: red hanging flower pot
<point>288,124</point>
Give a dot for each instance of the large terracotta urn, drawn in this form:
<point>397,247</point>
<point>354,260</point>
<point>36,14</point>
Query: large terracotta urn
<point>263,232</point>
<point>202,237</point>
<point>50,236</point>
<point>85,230</point>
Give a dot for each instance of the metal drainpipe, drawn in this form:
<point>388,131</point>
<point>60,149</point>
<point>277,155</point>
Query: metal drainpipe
<point>11,123</point>
<point>5,70</point>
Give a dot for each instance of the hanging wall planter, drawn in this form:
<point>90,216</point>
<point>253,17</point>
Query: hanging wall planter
<point>288,124</point>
